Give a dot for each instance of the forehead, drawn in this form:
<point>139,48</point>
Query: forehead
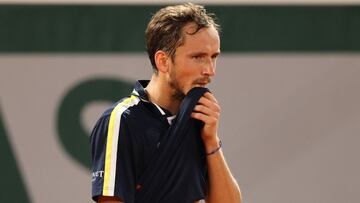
<point>207,37</point>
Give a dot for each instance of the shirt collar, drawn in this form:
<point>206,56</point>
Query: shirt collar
<point>140,91</point>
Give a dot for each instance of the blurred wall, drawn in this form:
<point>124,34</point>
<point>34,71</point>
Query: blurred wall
<point>287,81</point>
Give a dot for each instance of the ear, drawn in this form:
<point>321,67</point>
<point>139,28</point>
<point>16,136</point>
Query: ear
<point>161,60</point>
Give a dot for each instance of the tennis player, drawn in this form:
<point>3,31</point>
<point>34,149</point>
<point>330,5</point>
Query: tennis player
<point>161,143</point>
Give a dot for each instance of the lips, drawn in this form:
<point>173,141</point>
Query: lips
<point>202,82</point>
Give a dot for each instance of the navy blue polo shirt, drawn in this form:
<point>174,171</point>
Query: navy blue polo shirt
<point>123,141</point>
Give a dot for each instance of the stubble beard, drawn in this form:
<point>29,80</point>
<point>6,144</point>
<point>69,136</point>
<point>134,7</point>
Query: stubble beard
<point>177,93</point>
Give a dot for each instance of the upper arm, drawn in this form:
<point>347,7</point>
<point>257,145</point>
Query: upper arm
<point>113,170</point>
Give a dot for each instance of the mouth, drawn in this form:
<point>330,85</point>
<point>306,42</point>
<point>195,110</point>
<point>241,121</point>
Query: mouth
<point>203,82</point>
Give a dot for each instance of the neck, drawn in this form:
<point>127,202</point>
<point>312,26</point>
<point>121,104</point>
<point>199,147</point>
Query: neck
<point>160,93</point>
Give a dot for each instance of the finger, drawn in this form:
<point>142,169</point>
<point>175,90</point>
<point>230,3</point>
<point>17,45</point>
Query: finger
<point>205,101</point>
<point>210,104</point>
<point>204,118</point>
<point>206,110</point>
<point>210,96</point>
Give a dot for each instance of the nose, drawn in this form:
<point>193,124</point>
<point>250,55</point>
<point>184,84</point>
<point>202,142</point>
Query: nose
<point>209,69</point>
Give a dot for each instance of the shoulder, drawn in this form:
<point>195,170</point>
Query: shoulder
<point>119,114</point>
<point>122,110</point>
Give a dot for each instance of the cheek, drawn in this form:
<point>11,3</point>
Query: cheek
<point>187,78</point>
<point>186,72</point>
<point>190,70</point>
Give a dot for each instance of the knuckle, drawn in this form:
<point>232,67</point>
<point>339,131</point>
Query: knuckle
<point>218,108</point>
<point>201,108</point>
<point>213,120</point>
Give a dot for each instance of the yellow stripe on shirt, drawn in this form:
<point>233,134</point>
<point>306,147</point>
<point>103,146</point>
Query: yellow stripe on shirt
<point>112,144</point>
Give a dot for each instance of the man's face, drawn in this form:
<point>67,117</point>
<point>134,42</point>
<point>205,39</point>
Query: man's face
<point>195,60</point>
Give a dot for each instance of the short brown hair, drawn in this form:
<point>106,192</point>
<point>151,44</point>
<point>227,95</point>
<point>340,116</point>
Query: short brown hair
<point>164,31</point>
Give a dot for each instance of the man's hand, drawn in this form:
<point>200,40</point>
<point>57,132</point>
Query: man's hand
<point>208,111</point>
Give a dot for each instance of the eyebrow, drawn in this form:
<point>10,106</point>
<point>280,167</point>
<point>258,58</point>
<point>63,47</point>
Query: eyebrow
<point>203,54</point>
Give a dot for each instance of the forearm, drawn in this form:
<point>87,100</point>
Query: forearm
<point>222,185</point>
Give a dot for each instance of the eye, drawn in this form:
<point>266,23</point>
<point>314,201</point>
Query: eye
<point>198,57</point>
<point>214,57</point>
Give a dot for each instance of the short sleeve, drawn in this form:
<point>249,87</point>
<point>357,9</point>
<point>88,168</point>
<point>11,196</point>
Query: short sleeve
<point>113,171</point>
